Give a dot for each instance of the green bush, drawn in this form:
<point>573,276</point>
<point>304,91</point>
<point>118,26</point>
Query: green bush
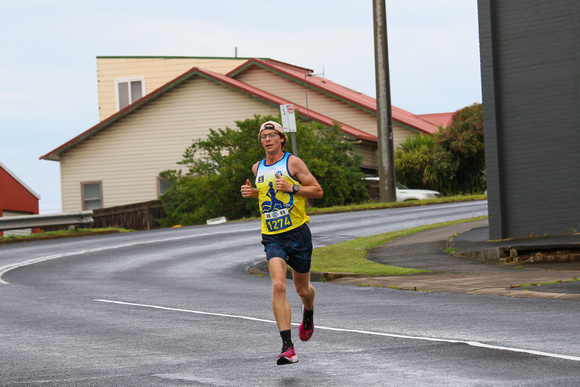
<point>460,152</point>
<point>334,163</point>
<point>452,161</point>
<point>414,162</point>
<point>218,165</point>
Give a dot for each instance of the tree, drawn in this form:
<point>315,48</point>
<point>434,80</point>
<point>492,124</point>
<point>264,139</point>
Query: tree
<point>334,163</point>
<point>218,165</point>
<point>414,162</point>
<point>460,152</point>
<point>452,161</point>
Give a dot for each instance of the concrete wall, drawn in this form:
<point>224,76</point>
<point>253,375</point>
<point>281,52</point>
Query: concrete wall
<point>530,68</point>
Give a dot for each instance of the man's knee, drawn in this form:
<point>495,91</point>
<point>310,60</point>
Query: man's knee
<point>305,290</point>
<point>278,287</point>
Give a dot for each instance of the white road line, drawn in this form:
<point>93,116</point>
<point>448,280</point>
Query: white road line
<point>5,269</point>
<point>185,310</point>
<point>432,339</point>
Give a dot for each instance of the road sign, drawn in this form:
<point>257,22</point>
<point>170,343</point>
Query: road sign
<point>289,124</point>
<point>288,118</point>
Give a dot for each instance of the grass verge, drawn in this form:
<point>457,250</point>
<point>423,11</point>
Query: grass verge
<point>411,203</point>
<point>350,256</point>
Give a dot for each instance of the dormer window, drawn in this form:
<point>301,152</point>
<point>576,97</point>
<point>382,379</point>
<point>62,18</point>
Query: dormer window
<point>128,90</point>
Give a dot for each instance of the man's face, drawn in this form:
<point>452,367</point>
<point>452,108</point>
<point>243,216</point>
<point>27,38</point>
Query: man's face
<point>271,139</point>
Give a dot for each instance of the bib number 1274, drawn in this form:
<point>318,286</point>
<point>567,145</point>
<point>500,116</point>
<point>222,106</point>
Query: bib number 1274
<point>278,220</point>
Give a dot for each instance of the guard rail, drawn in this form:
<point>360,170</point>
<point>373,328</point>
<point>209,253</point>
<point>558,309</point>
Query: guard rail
<point>39,221</point>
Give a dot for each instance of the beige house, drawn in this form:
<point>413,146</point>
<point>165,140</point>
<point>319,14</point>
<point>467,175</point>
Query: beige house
<point>124,80</point>
<point>151,108</point>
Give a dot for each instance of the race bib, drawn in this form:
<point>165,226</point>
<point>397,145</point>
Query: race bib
<point>278,220</point>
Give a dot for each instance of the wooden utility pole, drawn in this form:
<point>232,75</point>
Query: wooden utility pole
<point>387,188</point>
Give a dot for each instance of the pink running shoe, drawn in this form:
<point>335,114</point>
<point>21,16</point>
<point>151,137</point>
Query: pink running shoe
<point>288,356</point>
<point>305,331</point>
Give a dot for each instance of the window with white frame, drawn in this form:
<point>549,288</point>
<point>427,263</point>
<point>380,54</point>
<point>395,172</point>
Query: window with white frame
<point>162,186</point>
<point>92,195</point>
<point>128,90</point>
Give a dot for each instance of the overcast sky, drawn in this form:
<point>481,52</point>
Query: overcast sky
<point>48,50</point>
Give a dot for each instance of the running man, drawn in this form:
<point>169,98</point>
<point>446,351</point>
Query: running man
<point>283,183</point>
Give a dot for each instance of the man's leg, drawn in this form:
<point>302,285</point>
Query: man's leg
<point>304,289</point>
<point>307,293</point>
<point>282,311</point>
<point>280,304</point>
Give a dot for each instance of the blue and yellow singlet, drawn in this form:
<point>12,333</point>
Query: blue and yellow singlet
<point>281,211</point>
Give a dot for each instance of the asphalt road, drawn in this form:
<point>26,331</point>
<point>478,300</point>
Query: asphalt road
<point>176,307</point>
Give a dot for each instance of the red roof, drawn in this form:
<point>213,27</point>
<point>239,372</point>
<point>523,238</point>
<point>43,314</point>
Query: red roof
<point>222,79</point>
<point>340,92</point>
<point>427,123</point>
<point>439,119</point>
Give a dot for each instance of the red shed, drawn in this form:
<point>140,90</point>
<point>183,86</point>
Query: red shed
<point>16,198</point>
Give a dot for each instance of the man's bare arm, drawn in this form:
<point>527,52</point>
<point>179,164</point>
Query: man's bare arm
<point>310,187</point>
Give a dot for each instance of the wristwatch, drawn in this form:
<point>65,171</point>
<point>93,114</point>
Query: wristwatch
<point>295,188</point>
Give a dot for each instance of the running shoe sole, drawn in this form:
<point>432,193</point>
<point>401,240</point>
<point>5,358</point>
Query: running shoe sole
<point>282,360</point>
<point>287,357</point>
<point>303,333</point>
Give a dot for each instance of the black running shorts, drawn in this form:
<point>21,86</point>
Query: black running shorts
<point>294,246</point>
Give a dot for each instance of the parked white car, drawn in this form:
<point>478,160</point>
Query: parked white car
<point>404,194</point>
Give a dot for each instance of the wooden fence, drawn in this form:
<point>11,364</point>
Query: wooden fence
<point>137,216</point>
<point>145,216</point>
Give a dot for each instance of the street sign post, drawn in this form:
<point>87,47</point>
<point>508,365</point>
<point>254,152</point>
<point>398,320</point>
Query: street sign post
<point>289,124</point>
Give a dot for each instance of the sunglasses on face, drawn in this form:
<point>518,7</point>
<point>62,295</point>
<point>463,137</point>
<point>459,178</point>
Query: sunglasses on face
<point>269,135</point>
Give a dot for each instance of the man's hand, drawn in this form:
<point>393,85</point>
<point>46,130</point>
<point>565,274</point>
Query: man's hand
<point>282,184</point>
<point>247,190</point>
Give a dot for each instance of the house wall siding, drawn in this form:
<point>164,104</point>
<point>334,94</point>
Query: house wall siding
<point>317,101</point>
<point>323,104</point>
<point>14,196</point>
<point>530,66</point>
<point>369,153</point>
<point>128,156</point>
<point>15,199</point>
<point>157,72</point>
